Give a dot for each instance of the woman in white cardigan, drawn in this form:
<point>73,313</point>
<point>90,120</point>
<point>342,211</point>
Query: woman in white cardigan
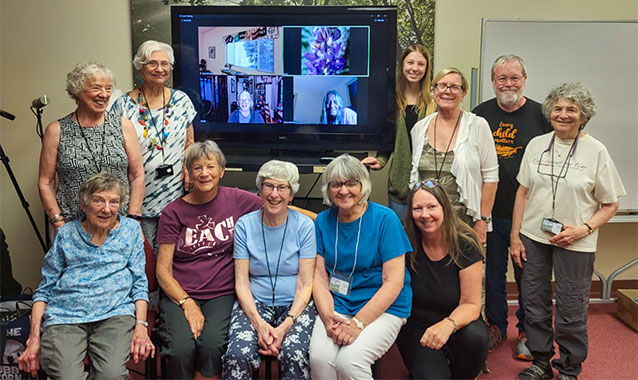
<point>456,148</point>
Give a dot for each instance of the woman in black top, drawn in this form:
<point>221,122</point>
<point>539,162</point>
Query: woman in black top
<point>444,338</point>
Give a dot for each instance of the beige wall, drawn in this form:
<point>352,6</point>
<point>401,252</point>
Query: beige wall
<point>457,42</point>
<point>41,40</point>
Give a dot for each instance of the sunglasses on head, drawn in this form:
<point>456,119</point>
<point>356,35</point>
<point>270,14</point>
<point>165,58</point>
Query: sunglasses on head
<point>430,183</point>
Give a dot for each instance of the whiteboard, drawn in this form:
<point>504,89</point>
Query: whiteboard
<point>602,55</point>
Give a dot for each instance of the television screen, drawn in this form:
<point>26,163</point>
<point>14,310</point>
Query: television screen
<point>292,78</point>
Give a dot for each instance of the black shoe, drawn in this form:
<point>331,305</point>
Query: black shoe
<point>562,376</point>
<point>536,372</point>
<point>495,337</point>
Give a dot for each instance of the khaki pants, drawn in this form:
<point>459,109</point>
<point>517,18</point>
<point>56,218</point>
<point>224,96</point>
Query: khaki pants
<point>106,342</point>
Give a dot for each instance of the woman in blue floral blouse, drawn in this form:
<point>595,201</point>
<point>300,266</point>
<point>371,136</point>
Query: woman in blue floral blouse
<point>93,295</point>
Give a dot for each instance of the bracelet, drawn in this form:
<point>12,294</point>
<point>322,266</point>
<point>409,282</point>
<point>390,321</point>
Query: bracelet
<point>358,323</point>
<point>56,218</point>
<point>292,316</point>
<point>136,217</point>
<point>591,230</point>
<point>454,324</point>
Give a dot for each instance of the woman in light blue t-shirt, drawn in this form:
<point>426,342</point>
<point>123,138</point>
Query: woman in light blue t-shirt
<point>274,253</point>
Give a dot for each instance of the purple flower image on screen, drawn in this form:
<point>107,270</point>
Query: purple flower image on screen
<point>324,50</point>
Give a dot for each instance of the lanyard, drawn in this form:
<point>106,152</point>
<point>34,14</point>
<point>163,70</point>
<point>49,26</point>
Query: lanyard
<point>98,165</point>
<point>273,285</point>
<point>160,136</point>
<point>356,247</point>
<point>437,170</point>
<point>565,167</point>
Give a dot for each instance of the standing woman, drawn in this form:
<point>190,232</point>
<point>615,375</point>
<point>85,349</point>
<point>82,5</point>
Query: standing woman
<point>86,142</point>
<point>569,187</point>
<point>162,118</point>
<point>456,148</point>
<point>413,103</point>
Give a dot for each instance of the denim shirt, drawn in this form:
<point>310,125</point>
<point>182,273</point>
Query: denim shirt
<point>82,282</point>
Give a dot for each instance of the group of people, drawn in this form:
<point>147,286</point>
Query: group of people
<point>246,275</point>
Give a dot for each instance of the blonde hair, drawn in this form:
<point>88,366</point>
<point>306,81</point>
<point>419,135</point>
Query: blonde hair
<point>425,97</point>
<point>450,70</point>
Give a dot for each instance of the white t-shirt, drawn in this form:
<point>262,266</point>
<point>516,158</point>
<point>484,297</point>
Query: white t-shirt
<point>591,179</point>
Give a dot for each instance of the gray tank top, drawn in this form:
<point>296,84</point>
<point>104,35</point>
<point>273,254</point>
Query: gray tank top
<point>78,161</point>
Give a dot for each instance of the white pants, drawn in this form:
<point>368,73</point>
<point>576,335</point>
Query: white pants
<point>331,361</point>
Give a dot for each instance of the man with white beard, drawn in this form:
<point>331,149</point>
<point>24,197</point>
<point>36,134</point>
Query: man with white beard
<point>514,120</point>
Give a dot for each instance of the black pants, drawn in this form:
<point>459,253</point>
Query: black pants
<point>462,357</point>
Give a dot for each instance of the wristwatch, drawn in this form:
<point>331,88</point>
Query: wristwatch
<point>181,302</point>
<point>141,322</point>
<point>486,219</point>
<point>358,323</point>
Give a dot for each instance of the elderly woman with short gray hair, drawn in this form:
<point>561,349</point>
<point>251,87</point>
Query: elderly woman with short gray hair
<point>85,142</point>
<point>92,298</point>
<point>195,267</point>
<point>275,251</point>
<point>569,188</point>
<point>361,286</point>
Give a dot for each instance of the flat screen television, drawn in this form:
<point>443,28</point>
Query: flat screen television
<point>299,79</point>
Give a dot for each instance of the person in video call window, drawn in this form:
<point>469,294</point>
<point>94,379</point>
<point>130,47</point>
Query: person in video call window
<point>333,111</point>
<point>245,113</point>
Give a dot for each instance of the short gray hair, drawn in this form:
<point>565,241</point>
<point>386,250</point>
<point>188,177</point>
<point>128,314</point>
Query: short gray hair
<point>83,71</point>
<point>204,149</point>
<point>506,58</point>
<point>147,48</point>
<point>576,92</point>
<point>102,182</point>
<point>343,168</point>
<point>279,171</point>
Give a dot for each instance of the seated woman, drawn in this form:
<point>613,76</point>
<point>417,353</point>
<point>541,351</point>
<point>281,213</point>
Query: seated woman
<point>93,295</point>
<point>361,286</point>
<point>444,337</point>
<point>333,111</point>
<point>245,113</point>
<point>195,266</point>
<point>275,251</point>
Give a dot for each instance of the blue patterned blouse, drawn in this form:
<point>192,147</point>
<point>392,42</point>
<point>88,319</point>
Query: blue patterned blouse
<point>83,283</point>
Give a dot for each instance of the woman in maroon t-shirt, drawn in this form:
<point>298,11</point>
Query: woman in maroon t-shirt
<point>195,266</point>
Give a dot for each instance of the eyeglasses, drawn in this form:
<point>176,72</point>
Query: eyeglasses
<point>503,79</point>
<point>269,188</point>
<point>350,184</point>
<point>101,202</point>
<point>454,88</point>
<point>155,64</point>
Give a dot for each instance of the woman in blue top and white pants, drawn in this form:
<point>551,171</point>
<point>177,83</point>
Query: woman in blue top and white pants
<point>361,286</point>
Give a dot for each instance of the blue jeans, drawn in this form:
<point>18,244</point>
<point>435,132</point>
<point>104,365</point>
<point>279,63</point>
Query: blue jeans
<point>496,277</point>
<point>399,209</point>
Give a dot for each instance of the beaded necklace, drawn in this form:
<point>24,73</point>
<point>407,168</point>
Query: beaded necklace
<point>145,115</point>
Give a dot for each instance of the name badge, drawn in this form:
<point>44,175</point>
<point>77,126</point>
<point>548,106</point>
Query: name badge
<point>340,283</point>
<point>552,226</point>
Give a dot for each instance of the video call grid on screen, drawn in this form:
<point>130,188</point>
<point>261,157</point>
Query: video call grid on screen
<point>281,71</point>
<point>292,75</point>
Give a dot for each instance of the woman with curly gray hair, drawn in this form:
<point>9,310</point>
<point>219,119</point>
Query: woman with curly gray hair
<point>361,286</point>
<point>85,142</point>
<point>569,187</point>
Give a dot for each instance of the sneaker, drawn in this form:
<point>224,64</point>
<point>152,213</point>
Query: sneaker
<point>494,338</point>
<point>536,372</point>
<point>522,352</point>
<point>562,376</point>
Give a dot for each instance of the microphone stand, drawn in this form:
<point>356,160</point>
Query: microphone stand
<point>25,204</point>
<point>38,130</point>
